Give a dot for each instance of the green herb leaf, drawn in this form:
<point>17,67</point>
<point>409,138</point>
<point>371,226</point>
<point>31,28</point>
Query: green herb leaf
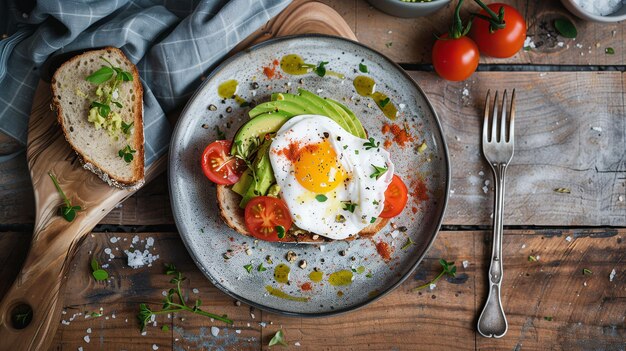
<point>373,220</point>
<point>103,109</point>
<point>321,198</point>
<point>165,328</point>
<point>278,339</point>
<point>248,268</point>
<point>126,127</point>
<point>563,190</point>
<point>384,102</point>
<point>260,268</point>
<point>320,70</point>
<point>280,231</point>
<point>117,104</point>
<point>100,76</point>
<point>95,314</point>
<point>126,76</point>
<point>565,27</point>
<point>363,68</point>
<point>532,258</point>
<point>100,275</point>
<point>609,51</point>
<point>378,171</point>
<point>127,154</point>
<point>371,144</point>
<point>94,265</point>
<point>587,271</point>
<point>349,206</point>
<point>369,275</point>
<point>548,318</point>
<point>389,44</point>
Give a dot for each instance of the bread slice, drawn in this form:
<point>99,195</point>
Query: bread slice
<point>97,150</point>
<point>233,216</point>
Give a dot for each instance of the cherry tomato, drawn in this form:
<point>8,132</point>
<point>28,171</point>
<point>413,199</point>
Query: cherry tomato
<point>455,59</point>
<point>263,214</point>
<point>504,42</point>
<point>396,197</point>
<point>219,166</point>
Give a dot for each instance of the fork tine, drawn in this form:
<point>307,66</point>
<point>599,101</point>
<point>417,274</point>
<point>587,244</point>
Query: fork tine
<point>494,119</point>
<point>503,119</point>
<point>486,119</point>
<point>512,119</point>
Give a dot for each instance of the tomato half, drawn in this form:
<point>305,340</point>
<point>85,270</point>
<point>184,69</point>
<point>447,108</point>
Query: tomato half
<point>396,197</point>
<point>263,214</point>
<point>219,166</point>
<point>504,42</point>
<point>455,59</point>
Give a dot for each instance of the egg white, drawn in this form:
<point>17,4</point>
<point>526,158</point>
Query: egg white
<point>368,193</point>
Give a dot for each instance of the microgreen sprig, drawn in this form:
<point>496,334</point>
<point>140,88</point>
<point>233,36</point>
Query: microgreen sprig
<point>371,144</point>
<point>67,210</point>
<point>170,305</point>
<point>127,154</point>
<point>98,273</point>
<point>349,206</point>
<point>103,75</point>
<point>447,268</point>
<point>321,70</point>
<point>379,171</point>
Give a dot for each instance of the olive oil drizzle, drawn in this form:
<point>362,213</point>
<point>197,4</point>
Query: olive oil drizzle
<point>228,90</point>
<point>366,86</point>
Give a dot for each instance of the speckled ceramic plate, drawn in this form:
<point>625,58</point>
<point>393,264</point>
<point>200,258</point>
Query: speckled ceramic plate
<point>209,240</point>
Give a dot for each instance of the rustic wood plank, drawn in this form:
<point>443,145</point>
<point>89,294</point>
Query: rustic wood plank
<point>412,39</point>
<point>553,286</point>
<point>570,133</point>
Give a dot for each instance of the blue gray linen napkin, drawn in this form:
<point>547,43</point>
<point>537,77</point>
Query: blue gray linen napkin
<point>172,43</point>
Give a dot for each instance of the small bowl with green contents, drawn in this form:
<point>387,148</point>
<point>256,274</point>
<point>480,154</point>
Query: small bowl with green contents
<point>409,8</point>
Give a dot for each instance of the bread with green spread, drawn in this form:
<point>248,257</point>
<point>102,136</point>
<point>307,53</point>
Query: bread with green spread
<point>98,99</point>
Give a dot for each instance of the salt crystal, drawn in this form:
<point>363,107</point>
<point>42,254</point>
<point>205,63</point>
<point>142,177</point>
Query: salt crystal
<point>113,240</point>
<point>253,92</point>
<point>485,189</point>
<point>135,239</point>
<point>560,44</point>
<point>612,275</point>
<point>620,198</point>
<point>402,106</point>
<point>432,286</point>
<point>319,90</point>
<point>87,338</point>
<point>88,330</point>
<point>263,324</point>
<point>155,347</point>
<point>481,173</point>
<point>144,333</point>
<point>597,129</point>
<point>322,248</point>
<point>64,322</point>
<point>568,238</point>
<point>523,246</point>
<point>465,92</point>
<point>528,43</point>
<point>149,242</point>
<point>465,264</point>
<point>215,331</point>
<point>80,348</point>
<point>164,292</point>
<point>238,331</point>
<point>537,257</point>
<point>585,283</point>
<point>195,291</point>
<point>297,343</point>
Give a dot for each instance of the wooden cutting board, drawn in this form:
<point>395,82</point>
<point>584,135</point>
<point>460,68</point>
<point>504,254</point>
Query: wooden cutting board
<point>55,242</point>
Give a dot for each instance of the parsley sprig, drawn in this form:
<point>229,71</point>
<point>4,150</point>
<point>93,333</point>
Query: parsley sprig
<point>379,171</point>
<point>447,268</point>
<point>170,305</point>
<point>349,206</point>
<point>67,210</point>
<point>127,154</point>
<point>371,144</point>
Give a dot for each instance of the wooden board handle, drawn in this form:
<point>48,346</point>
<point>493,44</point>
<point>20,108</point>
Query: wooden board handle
<point>41,281</point>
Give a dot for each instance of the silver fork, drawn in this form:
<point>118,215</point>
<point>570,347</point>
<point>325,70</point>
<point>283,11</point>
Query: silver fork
<point>498,150</point>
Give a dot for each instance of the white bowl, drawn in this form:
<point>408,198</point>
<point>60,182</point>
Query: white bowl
<point>616,16</point>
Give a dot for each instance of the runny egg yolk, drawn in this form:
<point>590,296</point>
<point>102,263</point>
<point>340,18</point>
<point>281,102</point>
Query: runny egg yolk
<point>317,168</point>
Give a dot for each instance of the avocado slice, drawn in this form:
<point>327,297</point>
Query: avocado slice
<point>264,123</point>
<point>264,175</point>
<point>358,127</point>
<point>244,182</point>
<point>328,110</point>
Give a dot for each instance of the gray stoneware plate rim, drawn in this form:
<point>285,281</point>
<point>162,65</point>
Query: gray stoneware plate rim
<point>172,171</point>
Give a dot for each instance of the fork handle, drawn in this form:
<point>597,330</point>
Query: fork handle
<point>492,321</point>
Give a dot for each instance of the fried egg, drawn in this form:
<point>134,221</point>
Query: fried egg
<point>332,181</point>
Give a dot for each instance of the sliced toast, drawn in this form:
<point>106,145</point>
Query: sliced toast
<point>97,149</point>
<point>233,216</point>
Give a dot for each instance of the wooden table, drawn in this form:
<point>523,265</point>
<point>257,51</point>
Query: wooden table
<point>571,133</point>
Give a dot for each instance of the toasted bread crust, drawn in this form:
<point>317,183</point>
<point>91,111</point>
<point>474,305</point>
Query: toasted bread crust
<point>233,216</point>
<point>137,179</point>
